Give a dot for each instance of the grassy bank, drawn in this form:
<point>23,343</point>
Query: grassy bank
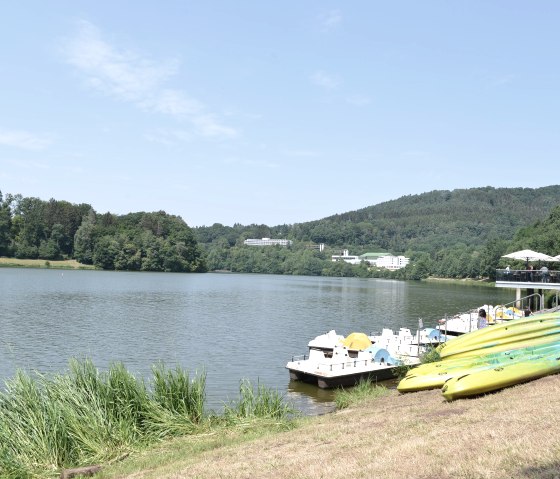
<point>41,263</point>
<point>86,416</point>
<point>512,433</point>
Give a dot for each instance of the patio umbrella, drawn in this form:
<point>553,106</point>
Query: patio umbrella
<point>529,255</point>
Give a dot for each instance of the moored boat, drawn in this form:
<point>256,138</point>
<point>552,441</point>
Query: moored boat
<point>343,367</point>
<point>334,360</point>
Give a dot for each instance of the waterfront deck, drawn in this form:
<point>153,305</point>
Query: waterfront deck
<point>527,279</point>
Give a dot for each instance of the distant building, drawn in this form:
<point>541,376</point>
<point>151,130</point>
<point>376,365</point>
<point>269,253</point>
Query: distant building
<point>392,262</point>
<point>372,258</point>
<point>346,257</point>
<point>267,242</point>
<point>380,260</point>
<point>320,246</point>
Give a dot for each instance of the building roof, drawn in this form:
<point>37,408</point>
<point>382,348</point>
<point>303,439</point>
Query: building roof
<point>374,255</point>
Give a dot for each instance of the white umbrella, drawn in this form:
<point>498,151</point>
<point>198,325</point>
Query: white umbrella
<point>529,255</point>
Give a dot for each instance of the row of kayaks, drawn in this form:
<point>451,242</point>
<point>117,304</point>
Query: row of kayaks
<point>491,358</point>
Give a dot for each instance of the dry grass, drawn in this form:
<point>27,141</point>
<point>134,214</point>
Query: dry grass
<point>41,263</point>
<point>514,433</point>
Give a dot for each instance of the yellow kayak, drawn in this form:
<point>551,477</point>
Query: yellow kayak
<point>434,375</point>
<point>511,329</point>
<point>509,341</point>
<point>496,348</point>
<point>480,382</point>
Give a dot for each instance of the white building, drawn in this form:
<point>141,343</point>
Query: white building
<point>267,242</point>
<point>346,257</point>
<point>392,262</point>
<point>380,260</point>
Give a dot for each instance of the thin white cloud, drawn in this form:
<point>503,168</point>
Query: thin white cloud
<point>208,126</point>
<point>174,103</point>
<point>250,163</point>
<point>416,154</point>
<point>23,139</point>
<point>120,73</point>
<point>29,165</point>
<point>169,137</point>
<point>359,100</point>
<point>303,153</point>
<point>330,20</point>
<point>503,80</point>
<point>324,80</point>
<point>132,78</point>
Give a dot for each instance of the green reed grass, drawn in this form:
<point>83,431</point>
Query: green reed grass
<point>430,356</point>
<point>257,402</point>
<point>87,416</point>
<point>363,390</point>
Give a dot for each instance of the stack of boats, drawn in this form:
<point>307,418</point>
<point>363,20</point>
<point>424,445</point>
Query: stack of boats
<point>334,360</point>
<point>485,360</point>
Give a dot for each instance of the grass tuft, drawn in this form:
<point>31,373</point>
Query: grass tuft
<point>364,390</point>
<point>430,356</point>
<point>257,402</point>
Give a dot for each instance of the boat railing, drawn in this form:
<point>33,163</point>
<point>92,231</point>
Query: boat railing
<point>348,364</point>
<point>521,303</point>
<point>442,324</point>
<point>300,357</point>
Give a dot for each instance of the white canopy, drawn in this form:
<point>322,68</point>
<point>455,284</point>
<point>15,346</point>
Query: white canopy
<point>529,255</point>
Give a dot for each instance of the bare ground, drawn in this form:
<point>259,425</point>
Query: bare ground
<point>514,433</point>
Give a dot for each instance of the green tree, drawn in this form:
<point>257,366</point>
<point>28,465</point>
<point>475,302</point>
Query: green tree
<point>105,252</point>
<point>5,225</point>
<point>84,239</point>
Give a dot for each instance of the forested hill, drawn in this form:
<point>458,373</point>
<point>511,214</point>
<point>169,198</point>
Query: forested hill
<point>31,228</point>
<point>459,233</point>
<point>455,234</point>
<point>432,221</point>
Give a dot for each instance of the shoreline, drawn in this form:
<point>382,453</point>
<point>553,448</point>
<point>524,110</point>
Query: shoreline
<point>414,435</point>
<point>43,264</point>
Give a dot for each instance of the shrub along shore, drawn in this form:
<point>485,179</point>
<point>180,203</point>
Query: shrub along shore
<point>136,429</point>
<point>86,416</point>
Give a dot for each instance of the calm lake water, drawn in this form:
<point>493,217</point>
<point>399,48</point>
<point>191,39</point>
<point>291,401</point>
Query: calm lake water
<point>232,326</point>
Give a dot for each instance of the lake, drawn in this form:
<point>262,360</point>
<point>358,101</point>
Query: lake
<point>232,326</point>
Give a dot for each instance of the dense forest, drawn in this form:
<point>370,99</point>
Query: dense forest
<point>52,230</point>
<point>452,234</point>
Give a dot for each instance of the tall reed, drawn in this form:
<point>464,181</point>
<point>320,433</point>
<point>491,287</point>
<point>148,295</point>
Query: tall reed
<point>365,389</point>
<point>260,402</point>
<point>87,416</point>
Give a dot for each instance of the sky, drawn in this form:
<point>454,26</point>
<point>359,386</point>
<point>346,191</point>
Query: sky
<point>275,112</point>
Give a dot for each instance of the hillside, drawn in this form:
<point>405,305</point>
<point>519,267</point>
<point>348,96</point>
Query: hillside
<point>426,222</point>
<point>451,234</point>
<point>435,220</point>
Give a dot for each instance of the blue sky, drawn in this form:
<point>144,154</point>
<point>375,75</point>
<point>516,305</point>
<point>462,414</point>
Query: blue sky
<point>274,112</point>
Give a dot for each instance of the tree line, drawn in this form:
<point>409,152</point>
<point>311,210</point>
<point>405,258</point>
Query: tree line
<point>54,230</point>
<point>449,234</point>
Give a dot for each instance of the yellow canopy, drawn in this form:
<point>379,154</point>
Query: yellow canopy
<point>358,341</point>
